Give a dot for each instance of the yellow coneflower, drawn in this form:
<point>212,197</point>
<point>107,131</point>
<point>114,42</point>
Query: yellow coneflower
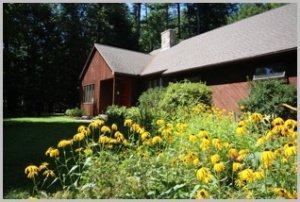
<point>94,125</point>
<point>217,143</point>
<point>43,166</point>
<point>203,133</point>
<point>269,135</point>
<point>173,162</point>
<point>258,175</point>
<point>242,123</point>
<point>196,161</point>
<point>215,158</point>
<point>103,139</point>
<point>203,174</point>
<point>236,166</point>
<point>278,152</point>
<point>267,158</point>
<point>290,150</point>
<point>241,130</point>
<point>242,107</point>
<point>247,175</point>
<point>285,131</point>
<point>64,143</point>
<point>205,143</point>
<point>128,122</point>
<point>114,127</point>
<point>135,127</point>
<point>78,137</point>
<point>193,138</point>
<point>52,152</point>
<point>233,153</point>
<point>32,170</point>
<point>119,135</point>
<point>202,194</point>
<point>256,118</point>
<point>260,141</point>
<point>290,123</point>
<point>145,136</point>
<point>156,140</point>
<point>105,129</point>
<point>276,130</point>
<point>49,173</point>
<point>160,122</point>
<point>277,122</point>
<point>166,131</point>
<point>242,154</point>
<point>125,142</point>
<point>284,193</point>
<point>219,167</point>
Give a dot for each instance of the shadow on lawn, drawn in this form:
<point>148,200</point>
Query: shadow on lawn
<point>25,143</point>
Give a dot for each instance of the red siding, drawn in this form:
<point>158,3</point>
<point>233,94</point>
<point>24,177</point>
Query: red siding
<point>97,70</point>
<point>226,96</point>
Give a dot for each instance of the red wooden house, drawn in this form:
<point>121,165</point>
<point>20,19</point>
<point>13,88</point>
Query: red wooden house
<point>260,47</point>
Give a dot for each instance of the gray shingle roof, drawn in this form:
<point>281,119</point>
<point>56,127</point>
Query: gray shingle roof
<point>266,33</point>
<point>123,61</point>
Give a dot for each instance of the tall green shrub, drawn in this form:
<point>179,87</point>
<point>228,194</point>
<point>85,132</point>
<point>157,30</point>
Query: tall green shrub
<point>267,97</point>
<point>185,93</point>
<point>150,99</point>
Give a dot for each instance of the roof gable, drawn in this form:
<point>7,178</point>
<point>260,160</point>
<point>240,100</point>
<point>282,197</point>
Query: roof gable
<point>123,61</point>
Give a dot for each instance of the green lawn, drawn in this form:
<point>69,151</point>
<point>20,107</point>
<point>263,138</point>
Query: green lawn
<point>25,141</point>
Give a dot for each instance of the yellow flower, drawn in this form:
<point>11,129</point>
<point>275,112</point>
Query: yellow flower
<point>256,118</point>
<point>242,107</point>
<point>233,153</point>
<point>219,167</point>
<point>241,130</point>
<point>242,123</point>
<point>43,166</point>
<point>173,162</point>
<point>267,158</point>
<point>32,170</point>
<point>78,137</point>
<point>64,143</point>
<point>193,138</point>
<point>166,132</point>
<point>103,139</point>
<point>285,131</point>
<point>291,124</point>
<point>52,152</point>
<point>49,173</point>
<point>145,136</point>
<point>202,194</point>
<point>258,175</point>
<point>105,129</point>
<point>284,193</point>
<point>277,122</point>
<point>260,141</point>
<point>236,166</point>
<point>205,143</point>
<point>269,135</point>
<point>242,154</point>
<point>160,122</point>
<point>93,125</point>
<point>203,174</point>
<point>247,175</point>
<point>196,162</point>
<point>215,158</point>
<point>239,183</point>
<point>128,122</point>
<point>125,143</point>
<point>203,133</point>
<point>156,140</point>
<point>119,136</point>
<point>289,150</point>
<point>217,143</point>
<point>114,127</point>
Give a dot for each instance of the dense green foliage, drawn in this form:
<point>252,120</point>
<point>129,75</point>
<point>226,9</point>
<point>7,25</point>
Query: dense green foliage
<point>267,97</point>
<point>75,112</point>
<point>185,94</point>
<point>151,98</point>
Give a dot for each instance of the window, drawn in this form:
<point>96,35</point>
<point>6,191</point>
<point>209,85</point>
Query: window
<point>270,71</point>
<point>89,93</point>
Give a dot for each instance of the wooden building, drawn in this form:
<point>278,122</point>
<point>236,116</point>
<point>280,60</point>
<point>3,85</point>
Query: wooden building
<point>260,47</point>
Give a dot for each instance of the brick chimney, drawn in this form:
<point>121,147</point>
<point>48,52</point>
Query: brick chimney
<point>167,39</point>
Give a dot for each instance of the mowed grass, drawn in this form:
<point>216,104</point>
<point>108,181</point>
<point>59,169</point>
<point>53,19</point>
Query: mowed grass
<point>25,141</point>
